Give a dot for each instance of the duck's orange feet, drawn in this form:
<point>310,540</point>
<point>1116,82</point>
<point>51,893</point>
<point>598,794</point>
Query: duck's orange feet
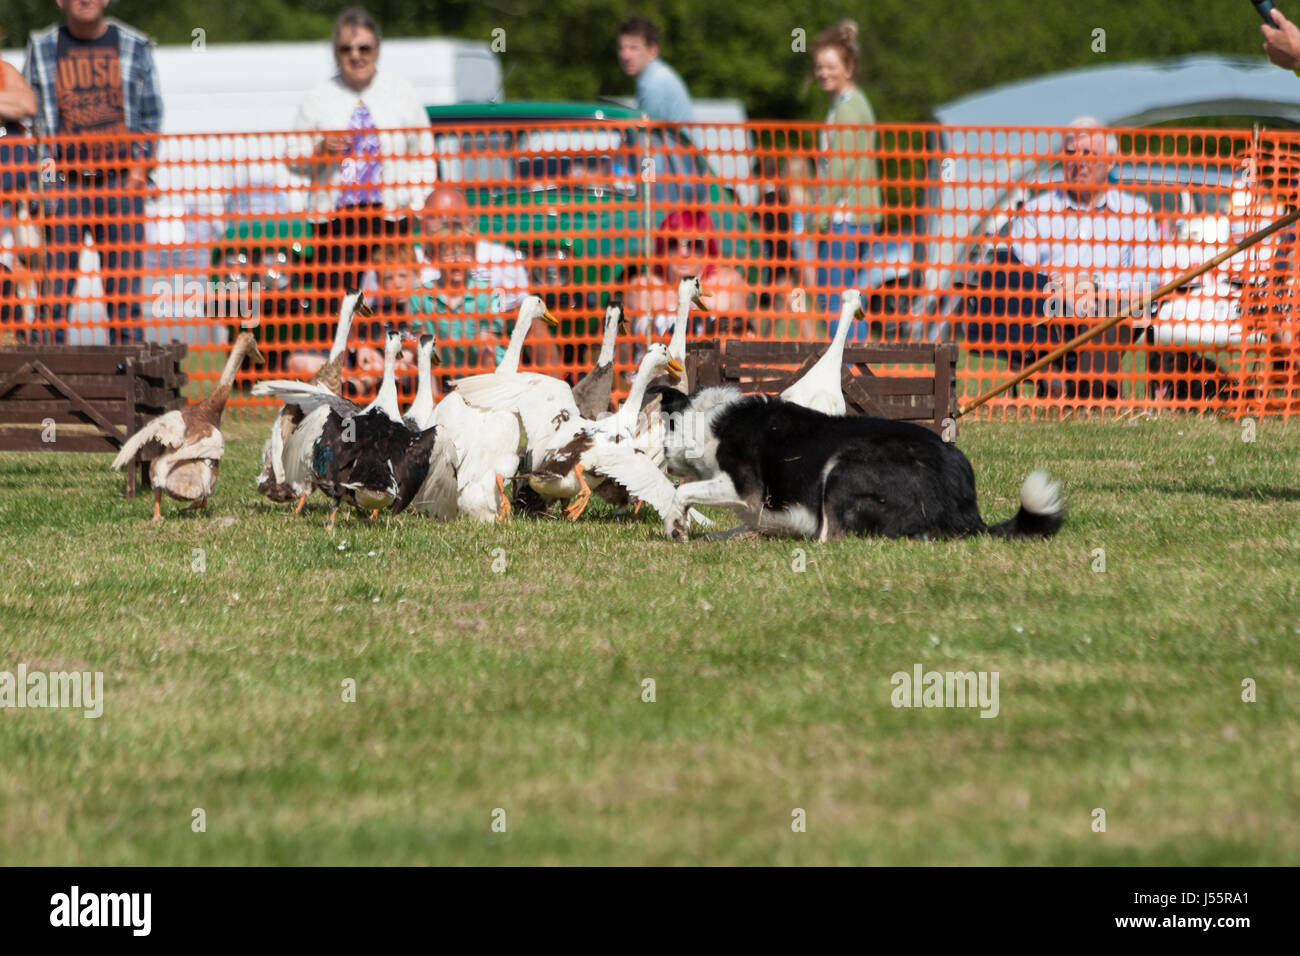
<point>579,504</point>
<point>329,525</point>
<point>503,510</point>
<point>157,505</point>
<point>302,500</point>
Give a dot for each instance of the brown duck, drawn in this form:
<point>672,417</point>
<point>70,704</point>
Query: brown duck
<point>191,439</point>
<point>592,393</point>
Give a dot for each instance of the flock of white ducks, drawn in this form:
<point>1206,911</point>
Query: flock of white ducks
<point>454,457</point>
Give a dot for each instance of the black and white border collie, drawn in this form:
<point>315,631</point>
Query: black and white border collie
<point>786,469</point>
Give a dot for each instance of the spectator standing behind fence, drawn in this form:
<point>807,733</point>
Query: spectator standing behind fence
<point>780,222</point>
<point>660,91</point>
<point>850,199</point>
<point>368,180</point>
<point>1089,249</point>
<point>93,75</point>
<point>17,105</point>
<point>660,94</point>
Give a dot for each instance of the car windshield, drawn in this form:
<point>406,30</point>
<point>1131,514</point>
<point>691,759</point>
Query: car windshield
<point>495,157</point>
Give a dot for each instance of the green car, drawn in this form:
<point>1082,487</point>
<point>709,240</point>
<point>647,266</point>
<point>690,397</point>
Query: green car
<point>560,196</point>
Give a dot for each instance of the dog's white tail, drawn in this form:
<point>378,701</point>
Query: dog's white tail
<point>1042,510</point>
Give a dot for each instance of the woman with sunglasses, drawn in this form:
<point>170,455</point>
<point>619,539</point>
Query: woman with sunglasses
<point>369,160</point>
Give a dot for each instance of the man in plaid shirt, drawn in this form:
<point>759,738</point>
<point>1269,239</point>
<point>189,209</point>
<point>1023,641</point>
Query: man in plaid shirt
<point>94,76</point>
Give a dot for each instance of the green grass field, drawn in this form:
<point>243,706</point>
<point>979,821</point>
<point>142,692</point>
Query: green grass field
<point>521,689</point>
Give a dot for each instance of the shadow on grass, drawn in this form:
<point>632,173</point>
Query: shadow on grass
<point>1240,493</point>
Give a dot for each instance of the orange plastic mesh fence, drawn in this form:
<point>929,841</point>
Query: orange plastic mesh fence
<point>1005,240</point>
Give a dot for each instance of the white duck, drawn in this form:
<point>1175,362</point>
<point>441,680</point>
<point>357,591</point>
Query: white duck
<point>568,449</point>
<point>420,415</point>
<point>819,387</point>
<point>689,292</point>
<point>485,442</point>
<point>272,482</point>
<point>437,495</point>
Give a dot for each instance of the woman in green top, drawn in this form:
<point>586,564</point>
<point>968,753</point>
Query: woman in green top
<point>835,61</point>
<point>849,199</point>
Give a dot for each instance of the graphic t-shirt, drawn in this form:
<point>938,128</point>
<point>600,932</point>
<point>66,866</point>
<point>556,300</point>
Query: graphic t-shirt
<point>88,87</point>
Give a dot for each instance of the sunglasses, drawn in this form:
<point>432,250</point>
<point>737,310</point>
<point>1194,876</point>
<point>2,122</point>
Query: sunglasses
<point>364,49</point>
<point>686,247</point>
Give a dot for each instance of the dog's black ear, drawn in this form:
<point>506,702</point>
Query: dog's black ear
<point>671,400</point>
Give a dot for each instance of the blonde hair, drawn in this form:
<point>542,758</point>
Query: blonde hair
<point>843,36</point>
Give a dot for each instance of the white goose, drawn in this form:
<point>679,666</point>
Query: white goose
<point>437,495</point>
<point>689,292</point>
<point>485,442</point>
<point>568,449</point>
<point>273,482</point>
<point>819,387</point>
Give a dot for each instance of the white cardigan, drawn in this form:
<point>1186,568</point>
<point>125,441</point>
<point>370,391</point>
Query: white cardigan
<point>409,166</point>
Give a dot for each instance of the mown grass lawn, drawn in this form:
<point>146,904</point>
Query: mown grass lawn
<point>522,689</point>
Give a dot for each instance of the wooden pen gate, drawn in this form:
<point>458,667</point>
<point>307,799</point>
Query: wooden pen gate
<point>86,398</point>
<point>924,391</point>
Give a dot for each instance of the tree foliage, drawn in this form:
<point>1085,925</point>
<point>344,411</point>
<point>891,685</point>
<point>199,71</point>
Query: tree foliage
<point>915,53</point>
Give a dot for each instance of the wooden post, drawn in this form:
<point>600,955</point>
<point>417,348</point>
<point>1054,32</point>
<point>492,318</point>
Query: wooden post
<point>130,425</point>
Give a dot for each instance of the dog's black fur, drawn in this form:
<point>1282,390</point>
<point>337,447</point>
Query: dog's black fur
<point>853,475</point>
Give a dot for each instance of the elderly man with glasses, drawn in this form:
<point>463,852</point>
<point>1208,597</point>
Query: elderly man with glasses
<point>1077,253</point>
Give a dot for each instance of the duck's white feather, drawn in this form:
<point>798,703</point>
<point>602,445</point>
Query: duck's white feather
<point>545,405</point>
<point>308,397</point>
<point>298,449</point>
<point>484,445</point>
<point>439,496</point>
<point>633,469</point>
<point>167,429</point>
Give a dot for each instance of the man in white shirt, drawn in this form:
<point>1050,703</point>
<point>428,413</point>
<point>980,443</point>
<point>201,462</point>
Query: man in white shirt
<point>1092,249</point>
